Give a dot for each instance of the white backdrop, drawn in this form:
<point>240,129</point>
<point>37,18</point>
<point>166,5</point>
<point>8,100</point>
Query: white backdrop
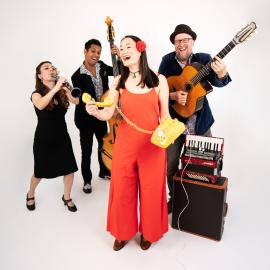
<point>32,31</point>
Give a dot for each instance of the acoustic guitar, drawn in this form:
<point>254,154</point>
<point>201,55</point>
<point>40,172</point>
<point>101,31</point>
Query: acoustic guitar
<point>189,80</point>
<point>115,121</point>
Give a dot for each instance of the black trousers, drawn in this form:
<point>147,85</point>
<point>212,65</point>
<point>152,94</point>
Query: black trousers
<point>86,140</point>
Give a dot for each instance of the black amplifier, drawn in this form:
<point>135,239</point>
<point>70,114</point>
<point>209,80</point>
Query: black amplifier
<point>205,213</point>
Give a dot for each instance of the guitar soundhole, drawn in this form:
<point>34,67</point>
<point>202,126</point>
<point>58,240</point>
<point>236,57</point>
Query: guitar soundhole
<point>188,87</point>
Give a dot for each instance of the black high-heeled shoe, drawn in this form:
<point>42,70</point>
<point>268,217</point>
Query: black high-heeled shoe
<point>70,208</point>
<point>30,207</point>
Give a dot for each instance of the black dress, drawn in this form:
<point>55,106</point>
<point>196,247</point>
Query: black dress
<point>53,153</point>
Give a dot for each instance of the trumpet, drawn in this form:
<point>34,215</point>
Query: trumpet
<point>74,91</point>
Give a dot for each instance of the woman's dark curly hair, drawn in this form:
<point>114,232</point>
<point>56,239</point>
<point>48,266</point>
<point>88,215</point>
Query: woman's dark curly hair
<point>41,88</point>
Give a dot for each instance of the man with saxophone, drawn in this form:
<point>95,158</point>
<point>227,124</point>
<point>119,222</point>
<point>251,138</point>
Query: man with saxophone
<point>201,121</point>
<point>91,77</point>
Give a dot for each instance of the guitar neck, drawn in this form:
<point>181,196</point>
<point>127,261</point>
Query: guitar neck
<point>114,61</point>
<point>226,49</point>
<point>206,69</point>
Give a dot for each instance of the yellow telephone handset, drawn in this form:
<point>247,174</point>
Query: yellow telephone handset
<point>108,102</point>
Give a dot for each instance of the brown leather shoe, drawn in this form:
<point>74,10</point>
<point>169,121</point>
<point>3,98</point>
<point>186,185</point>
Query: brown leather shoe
<point>144,243</point>
<point>118,244</point>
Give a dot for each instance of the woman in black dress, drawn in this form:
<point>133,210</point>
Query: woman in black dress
<point>53,154</point>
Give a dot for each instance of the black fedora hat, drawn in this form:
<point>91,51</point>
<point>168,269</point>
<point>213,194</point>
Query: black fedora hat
<point>182,28</point>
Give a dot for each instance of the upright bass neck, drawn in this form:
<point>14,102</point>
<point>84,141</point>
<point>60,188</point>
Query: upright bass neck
<point>110,32</point>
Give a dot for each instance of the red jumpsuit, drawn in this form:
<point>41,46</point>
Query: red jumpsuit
<point>138,166</point>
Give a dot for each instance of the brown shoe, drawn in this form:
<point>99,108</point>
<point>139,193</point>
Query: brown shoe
<point>118,244</point>
<point>144,243</point>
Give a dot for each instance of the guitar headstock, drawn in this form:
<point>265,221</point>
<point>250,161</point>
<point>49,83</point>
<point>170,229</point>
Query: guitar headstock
<point>110,31</point>
<point>245,33</point>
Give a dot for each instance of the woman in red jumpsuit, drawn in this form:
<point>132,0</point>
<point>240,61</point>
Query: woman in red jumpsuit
<point>138,166</point>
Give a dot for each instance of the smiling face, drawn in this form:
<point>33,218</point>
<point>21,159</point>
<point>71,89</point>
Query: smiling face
<point>129,54</point>
<point>183,44</point>
<point>47,72</point>
<point>92,55</point>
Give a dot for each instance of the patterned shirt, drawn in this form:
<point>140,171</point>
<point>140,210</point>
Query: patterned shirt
<point>95,79</point>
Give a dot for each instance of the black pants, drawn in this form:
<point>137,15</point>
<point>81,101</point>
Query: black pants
<point>86,139</point>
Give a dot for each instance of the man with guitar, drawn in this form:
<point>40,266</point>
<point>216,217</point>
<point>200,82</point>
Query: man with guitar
<point>91,77</point>
<point>200,121</point>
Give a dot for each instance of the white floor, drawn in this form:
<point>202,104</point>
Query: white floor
<point>51,237</point>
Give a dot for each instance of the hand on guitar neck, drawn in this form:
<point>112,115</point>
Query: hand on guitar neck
<point>219,67</point>
<point>115,51</point>
<point>191,78</point>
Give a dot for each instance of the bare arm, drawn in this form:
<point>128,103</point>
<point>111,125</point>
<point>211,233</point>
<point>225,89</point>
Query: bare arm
<point>41,102</point>
<point>70,97</point>
<point>163,97</point>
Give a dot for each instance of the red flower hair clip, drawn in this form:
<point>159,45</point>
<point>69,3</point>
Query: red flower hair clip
<point>140,45</point>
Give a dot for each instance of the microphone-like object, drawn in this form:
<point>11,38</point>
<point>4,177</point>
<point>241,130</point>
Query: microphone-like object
<point>74,91</point>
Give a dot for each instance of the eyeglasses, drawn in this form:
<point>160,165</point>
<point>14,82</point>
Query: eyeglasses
<point>184,41</point>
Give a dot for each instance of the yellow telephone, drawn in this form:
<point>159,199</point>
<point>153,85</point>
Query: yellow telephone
<point>167,132</point>
<point>108,102</point>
